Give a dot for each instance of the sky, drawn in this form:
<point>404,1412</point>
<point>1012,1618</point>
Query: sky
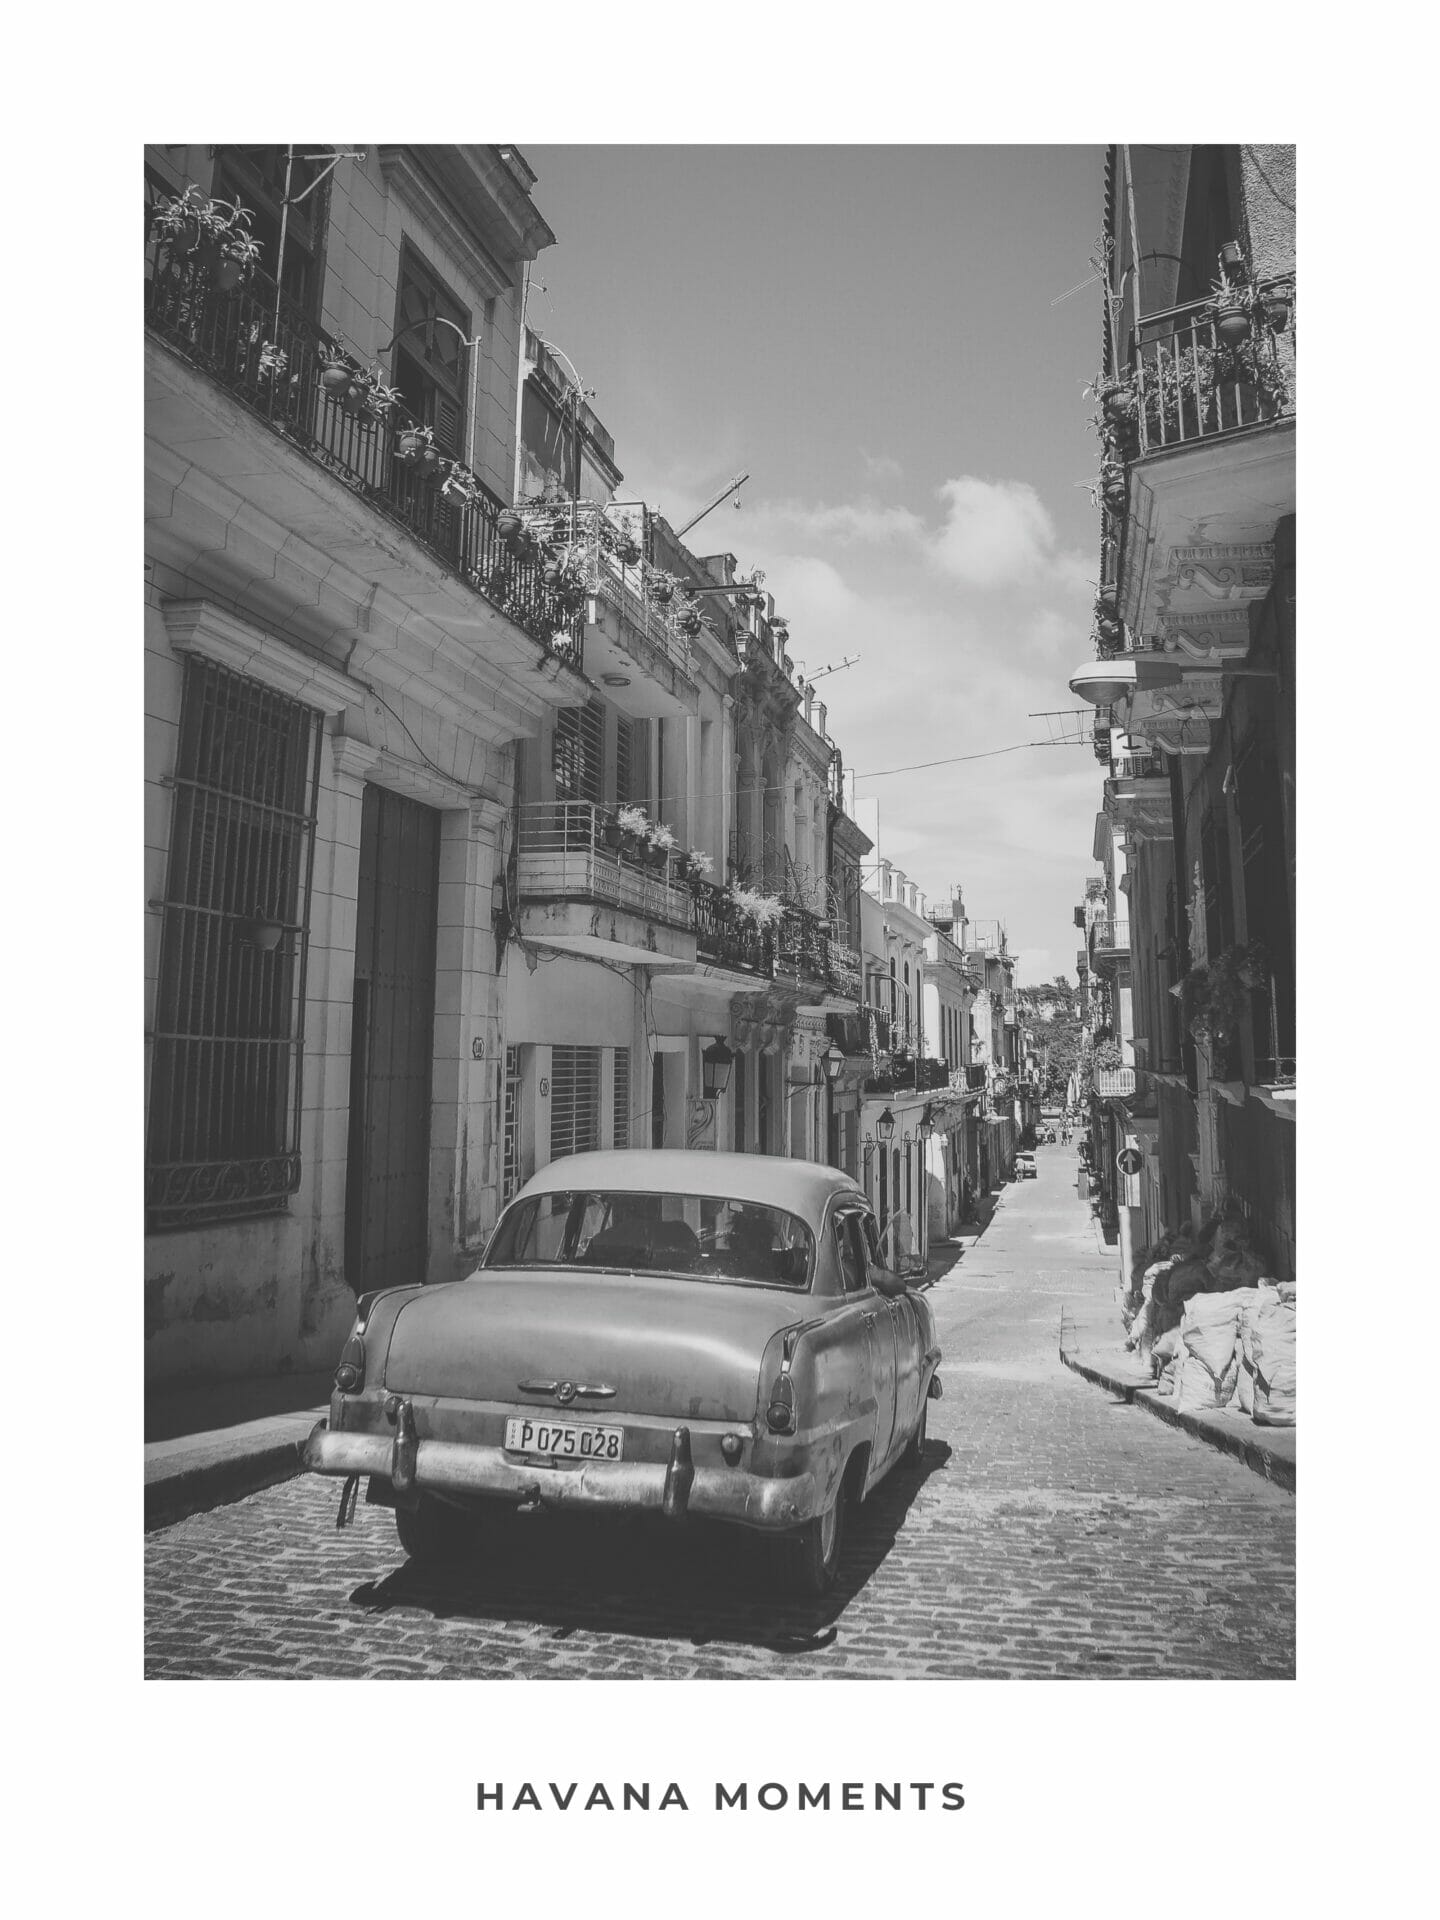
<point>876,335</point>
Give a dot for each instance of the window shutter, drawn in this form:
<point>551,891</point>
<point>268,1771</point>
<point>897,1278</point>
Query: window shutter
<point>624,792</point>
<point>621,1115</point>
<point>578,756</point>
<point>574,1100</point>
<point>447,425</point>
<point>510,1171</point>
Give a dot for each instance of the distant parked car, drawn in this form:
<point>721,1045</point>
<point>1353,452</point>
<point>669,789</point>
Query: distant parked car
<point>1024,1166</point>
<point>703,1333</point>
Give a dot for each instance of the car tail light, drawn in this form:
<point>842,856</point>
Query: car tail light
<point>780,1414</point>
<point>350,1374</point>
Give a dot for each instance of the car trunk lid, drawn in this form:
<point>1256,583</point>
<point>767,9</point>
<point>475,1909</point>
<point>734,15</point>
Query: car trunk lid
<point>678,1349</point>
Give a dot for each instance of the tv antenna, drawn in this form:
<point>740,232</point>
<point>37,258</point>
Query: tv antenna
<point>838,666</point>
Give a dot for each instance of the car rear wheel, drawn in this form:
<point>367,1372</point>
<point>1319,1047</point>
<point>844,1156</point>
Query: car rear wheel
<point>434,1534</point>
<point>914,1454</point>
<point>810,1556</point>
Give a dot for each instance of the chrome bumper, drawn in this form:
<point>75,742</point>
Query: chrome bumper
<point>447,1466</point>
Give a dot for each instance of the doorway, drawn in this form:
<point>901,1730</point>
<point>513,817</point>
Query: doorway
<point>392,1046</point>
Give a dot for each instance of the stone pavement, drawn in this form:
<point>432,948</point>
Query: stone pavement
<point>1053,1530</point>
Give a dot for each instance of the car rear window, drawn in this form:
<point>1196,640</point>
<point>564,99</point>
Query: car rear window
<point>690,1235</point>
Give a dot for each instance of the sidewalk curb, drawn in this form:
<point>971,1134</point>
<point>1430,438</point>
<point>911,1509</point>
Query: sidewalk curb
<point>1253,1451</point>
<point>190,1485</point>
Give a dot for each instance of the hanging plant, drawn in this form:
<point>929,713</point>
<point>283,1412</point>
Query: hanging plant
<point>413,443</point>
<point>337,372</point>
<point>662,589</point>
<point>689,623</point>
<point>273,361</point>
<point>763,910</point>
<point>461,488</point>
<point>1232,317</point>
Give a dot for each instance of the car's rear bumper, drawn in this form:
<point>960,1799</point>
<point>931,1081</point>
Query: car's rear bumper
<point>674,1488</point>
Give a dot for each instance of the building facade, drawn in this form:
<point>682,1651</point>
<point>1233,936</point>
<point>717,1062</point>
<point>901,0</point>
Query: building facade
<point>1194,686</point>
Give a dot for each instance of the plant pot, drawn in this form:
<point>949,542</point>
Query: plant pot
<point>355,399</point>
<point>228,274</point>
<point>1118,405</point>
<point>508,525</point>
<point>628,553</point>
<point>662,593</point>
<point>1277,312</point>
<point>632,847</point>
<point>1232,258</point>
<point>427,464</point>
<point>261,933</point>
<point>336,381</point>
<point>553,574</point>
<point>1232,326</point>
<point>610,835</point>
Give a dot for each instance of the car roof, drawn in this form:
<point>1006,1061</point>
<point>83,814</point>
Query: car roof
<point>802,1186</point>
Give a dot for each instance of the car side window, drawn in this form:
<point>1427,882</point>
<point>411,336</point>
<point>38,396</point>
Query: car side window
<point>850,1247</point>
<point>872,1240</point>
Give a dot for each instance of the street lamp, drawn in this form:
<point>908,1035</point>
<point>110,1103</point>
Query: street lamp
<point>885,1127</point>
<point>927,1122</point>
<point>832,1060</point>
<point>716,1062</point>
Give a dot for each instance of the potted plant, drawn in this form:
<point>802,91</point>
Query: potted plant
<point>273,361</point>
<point>660,844</point>
<point>1273,308</point>
<point>627,551</point>
<point>689,623</point>
<point>1231,307</point>
<point>337,372</point>
<point>762,910</point>
<point>695,866</point>
<point>662,589</point>
<point>461,489</point>
<point>634,825</point>
<point>611,832</point>
<point>414,443</point>
<point>1232,258</point>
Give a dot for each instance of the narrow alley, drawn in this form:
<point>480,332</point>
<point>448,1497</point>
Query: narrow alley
<point>1053,1531</point>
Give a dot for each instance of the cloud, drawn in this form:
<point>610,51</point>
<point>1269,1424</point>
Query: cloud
<point>996,532</point>
<point>882,468</point>
<point>865,520</point>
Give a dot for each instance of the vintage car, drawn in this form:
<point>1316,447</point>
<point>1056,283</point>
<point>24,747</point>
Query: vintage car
<point>1024,1166</point>
<point>710,1334</point>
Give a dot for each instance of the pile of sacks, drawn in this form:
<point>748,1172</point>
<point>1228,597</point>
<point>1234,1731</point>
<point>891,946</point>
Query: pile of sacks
<point>1213,1328</point>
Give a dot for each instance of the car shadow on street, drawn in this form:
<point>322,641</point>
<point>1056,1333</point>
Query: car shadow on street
<point>643,1578</point>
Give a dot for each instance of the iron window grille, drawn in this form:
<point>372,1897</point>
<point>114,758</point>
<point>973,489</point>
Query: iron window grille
<point>621,1104</point>
<point>223,1140</point>
<point>510,1169</point>
<point>574,1100</point>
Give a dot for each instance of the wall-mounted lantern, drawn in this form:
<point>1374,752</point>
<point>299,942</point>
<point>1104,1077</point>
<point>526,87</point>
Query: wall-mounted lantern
<point>832,1060</point>
<point>716,1062</point>
<point>885,1127</point>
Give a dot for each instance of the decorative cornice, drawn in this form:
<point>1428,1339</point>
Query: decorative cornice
<point>410,181</point>
<point>198,626</point>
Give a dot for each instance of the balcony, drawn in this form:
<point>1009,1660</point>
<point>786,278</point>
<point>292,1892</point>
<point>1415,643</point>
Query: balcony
<point>727,938</point>
<point>269,356</point>
<point>1110,938</point>
<point>902,1072</point>
<point>636,642</point>
<point>1210,470</point>
<point>803,949</point>
<point>1113,1083</point>
<point>584,896</point>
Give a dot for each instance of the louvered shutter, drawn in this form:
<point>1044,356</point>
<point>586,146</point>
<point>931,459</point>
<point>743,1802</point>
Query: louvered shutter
<point>621,1114</point>
<point>574,1100</point>
<point>578,757</point>
<point>624,792</point>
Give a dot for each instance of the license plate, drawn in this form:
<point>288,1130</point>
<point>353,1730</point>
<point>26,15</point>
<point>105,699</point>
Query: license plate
<point>564,1440</point>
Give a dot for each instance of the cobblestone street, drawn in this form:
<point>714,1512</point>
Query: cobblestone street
<point>1053,1531</point>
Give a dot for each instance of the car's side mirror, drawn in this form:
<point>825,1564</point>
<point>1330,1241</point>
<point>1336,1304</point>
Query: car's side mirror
<point>891,1285</point>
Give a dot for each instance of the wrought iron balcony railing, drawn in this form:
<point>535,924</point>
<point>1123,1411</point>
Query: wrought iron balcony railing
<point>725,937</point>
<point>1110,936</point>
<point>804,945</point>
<point>1112,1083</point>
<point>1190,386</point>
<point>570,850</point>
<point>270,356</point>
